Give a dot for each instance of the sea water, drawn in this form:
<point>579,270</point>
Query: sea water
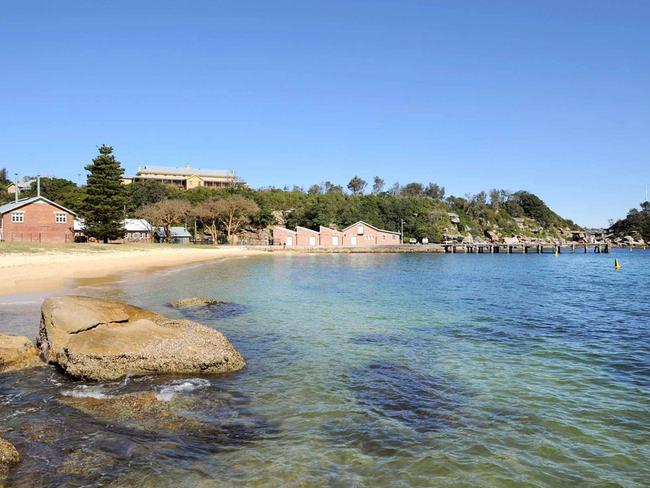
<point>411,370</point>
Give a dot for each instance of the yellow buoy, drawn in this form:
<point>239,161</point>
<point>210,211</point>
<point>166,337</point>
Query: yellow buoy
<point>617,265</point>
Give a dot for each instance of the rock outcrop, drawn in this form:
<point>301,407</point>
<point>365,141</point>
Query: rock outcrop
<point>8,456</point>
<point>17,352</point>
<point>194,302</point>
<point>101,340</point>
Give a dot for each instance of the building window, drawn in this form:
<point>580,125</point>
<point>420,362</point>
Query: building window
<point>360,230</point>
<point>383,237</point>
<point>18,217</point>
<point>61,218</point>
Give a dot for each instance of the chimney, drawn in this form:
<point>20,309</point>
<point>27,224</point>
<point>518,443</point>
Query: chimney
<point>38,185</point>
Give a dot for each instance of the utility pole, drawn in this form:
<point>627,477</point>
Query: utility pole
<point>16,189</point>
<point>402,231</point>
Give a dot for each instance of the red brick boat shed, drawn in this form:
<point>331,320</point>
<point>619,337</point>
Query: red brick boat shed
<point>360,234</point>
<point>36,219</point>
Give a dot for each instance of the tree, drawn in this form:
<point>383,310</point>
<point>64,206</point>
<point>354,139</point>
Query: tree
<point>145,193</point>
<point>4,177</point>
<point>165,214</point>
<point>434,191</point>
<point>233,212</point>
<point>314,190</point>
<point>378,185</point>
<point>208,213</point>
<point>62,191</point>
<point>495,198</point>
<point>645,206</point>
<point>414,189</point>
<point>104,206</point>
<point>357,185</point>
<point>330,187</point>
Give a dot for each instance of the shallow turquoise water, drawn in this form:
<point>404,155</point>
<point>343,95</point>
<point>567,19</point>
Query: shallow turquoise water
<point>376,370</point>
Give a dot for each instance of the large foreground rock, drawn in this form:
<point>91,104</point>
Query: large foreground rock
<point>102,340</point>
<point>8,456</point>
<point>17,352</point>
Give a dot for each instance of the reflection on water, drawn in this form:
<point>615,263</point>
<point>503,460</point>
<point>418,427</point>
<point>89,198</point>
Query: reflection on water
<point>364,370</point>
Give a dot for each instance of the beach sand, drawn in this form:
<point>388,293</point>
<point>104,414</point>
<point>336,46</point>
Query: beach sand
<point>56,268</point>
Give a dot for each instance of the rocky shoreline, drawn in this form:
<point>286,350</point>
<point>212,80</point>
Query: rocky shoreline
<point>99,340</point>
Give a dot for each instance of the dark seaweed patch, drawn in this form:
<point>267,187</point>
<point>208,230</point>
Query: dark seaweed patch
<point>423,402</point>
<point>218,311</point>
<point>380,340</point>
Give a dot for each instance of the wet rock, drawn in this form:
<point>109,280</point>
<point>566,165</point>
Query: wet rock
<point>17,352</point>
<point>101,340</point>
<point>8,456</point>
<point>142,410</point>
<point>88,463</point>
<point>194,302</point>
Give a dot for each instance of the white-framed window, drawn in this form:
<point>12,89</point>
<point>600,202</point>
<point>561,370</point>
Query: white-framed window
<point>61,218</point>
<point>18,217</point>
<point>360,230</point>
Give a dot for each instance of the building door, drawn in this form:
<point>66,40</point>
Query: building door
<point>289,241</point>
<point>335,240</point>
<point>312,241</point>
<point>353,240</point>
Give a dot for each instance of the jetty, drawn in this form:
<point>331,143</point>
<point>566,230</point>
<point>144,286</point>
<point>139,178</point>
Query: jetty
<point>526,247</point>
<point>455,247</point>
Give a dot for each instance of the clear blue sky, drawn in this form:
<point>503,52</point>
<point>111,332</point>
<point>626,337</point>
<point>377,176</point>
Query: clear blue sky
<point>548,96</point>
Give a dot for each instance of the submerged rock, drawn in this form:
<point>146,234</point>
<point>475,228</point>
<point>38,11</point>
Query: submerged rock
<point>17,352</point>
<point>194,302</point>
<point>142,410</point>
<point>102,340</point>
<point>8,456</point>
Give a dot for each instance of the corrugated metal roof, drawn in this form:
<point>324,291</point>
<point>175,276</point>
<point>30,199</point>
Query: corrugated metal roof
<point>8,207</point>
<point>175,231</point>
<point>130,225</point>
<point>186,171</point>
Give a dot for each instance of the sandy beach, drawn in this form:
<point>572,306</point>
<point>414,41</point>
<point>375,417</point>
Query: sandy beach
<point>55,268</point>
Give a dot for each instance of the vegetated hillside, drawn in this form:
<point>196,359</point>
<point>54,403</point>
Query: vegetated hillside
<point>425,210</point>
<point>636,224</point>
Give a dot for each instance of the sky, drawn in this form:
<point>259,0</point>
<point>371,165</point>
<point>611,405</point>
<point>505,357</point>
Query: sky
<point>549,96</point>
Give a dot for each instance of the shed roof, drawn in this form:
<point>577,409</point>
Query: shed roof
<point>8,207</point>
<point>174,231</point>
<point>306,229</point>
<point>361,222</point>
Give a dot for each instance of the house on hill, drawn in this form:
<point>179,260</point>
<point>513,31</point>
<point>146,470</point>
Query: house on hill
<point>185,177</point>
<point>36,219</point>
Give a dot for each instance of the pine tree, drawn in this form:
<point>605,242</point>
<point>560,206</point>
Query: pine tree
<point>106,197</point>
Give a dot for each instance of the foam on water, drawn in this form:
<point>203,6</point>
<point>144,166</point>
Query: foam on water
<point>85,391</point>
<point>168,391</point>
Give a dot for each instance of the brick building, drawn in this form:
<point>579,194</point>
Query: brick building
<point>360,234</point>
<point>306,237</point>
<point>284,237</point>
<point>330,237</point>
<point>36,219</point>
